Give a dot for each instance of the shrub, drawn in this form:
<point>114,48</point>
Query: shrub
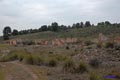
<point>28,59</point>
<point>8,57</point>
<point>67,47</point>
<point>88,42</point>
<point>37,60</point>
<point>95,62</point>
<point>108,45</point>
<point>51,52</point>
<point>117,46</point>
<point>20,57</point>
<point>116,73</point>
<point>82,67</point>
<point>69,65</point>
<point>99,45</point>
<point>94,76</point>
<point>52,63</point>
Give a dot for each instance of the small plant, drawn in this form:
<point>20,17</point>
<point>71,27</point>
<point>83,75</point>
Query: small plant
<point>99,45</point>
<point>95,62</point>
<point>37,60</point>
<point>9,57</point>
<point>51,52</point>
<point>67,47</point>
<point>52,63</point>
<point>82,67</point>
<point>94,76</point>
<point>115,73</point>
<point>88,42</point>
<point>69,66</point>
<point>108,45</point>
<point>28,59</point>
<point>117,46</point>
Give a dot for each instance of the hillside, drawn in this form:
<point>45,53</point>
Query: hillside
<point>78,32</point>
<point>81,60</point>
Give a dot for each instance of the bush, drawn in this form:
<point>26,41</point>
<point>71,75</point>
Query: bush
<point>117,46</point>
<point>21,57</point>
<point>108,45</point>
<point>9,57</point>
<point>52,63</point>
<point>94,76</point>
<point>67,47</point>
<point>116,73</point>
<point>28,59</point>
<point>95,62</point>
<point>82,67</point>
<point>99,45</point>
<point>88,42</point>
<point>37,60</point>
<point>69,66</point>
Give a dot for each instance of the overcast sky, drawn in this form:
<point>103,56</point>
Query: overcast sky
<point>25,14</point>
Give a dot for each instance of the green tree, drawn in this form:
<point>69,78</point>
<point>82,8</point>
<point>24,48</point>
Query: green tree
<point>81,24</point>
<point>44,28</point>
<point>6,32</point>
<point>15,32</point>
<point>87,24</point>
<point>55,27</point>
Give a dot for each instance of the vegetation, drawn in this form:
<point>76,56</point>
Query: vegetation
<point>82,67</point>
<point>69,65</point>
<point>85,29</point>
<point>52,63</point>
<point>94,76</point>
<point>95,62</point>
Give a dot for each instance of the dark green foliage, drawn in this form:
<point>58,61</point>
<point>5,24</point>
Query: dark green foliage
<point>87,24</point>
<point>9,57</point>
<point>28,59</point>
<point>43,28</point>
<point>109,44</point>
<point>6,37</point>
<point>37,60</point>
<point>67,47</point>
<point>7,30</point>
<point>69,65</point>
<point>82,67</point>
<point>52,63</point>
<point>6,33</point>
<point>88,42</point>
<point>95,62</point>
<point>15,32</point>
<point>102,27</point>
<point>117,46</point>
<point>55,27</point>
<point>94,76</point>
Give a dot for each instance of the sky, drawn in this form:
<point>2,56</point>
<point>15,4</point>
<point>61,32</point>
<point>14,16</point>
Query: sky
<point>27,14</point>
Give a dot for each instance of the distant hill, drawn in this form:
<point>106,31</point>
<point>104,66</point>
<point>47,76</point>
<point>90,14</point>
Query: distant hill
<point>88,32</point>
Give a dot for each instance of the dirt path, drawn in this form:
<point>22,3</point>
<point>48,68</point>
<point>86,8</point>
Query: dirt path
<point>26,69</point>
<point>18,71</point>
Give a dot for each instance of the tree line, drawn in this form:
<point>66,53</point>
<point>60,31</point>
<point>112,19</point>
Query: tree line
<point>55,27</point>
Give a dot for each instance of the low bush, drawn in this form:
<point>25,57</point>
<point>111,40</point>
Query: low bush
<point>9,57</point>
<point>69,65</point>
<point>67,47</point>
<point>28,59</point>
<point>82,67</point>
<point>88,42</point>
<point>95,63</point>
<point>94,76</point>
<point>37,60</point>
<point>108,45</point>
<point>52,63</point>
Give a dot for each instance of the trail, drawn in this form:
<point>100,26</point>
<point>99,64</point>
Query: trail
<point>17,71</point>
